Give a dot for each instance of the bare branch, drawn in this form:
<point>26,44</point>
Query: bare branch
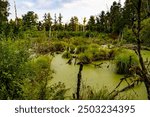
<point>132,88</point>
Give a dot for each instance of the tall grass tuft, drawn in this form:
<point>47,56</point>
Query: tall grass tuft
<point>90,94</point>
<point>125,60</point>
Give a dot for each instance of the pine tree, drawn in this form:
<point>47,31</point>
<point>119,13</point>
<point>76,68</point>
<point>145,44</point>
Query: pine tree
<point>47,21</point>
<point>84,22</point>
<point>76,21</point>
<point>100,22</point>
<point>128,13</point>
<point>74,24</point>
<point>60,21</point>
<point>55,26</point>
<point>116,18</point>
<point>91,25</point>
<point>29,19</point>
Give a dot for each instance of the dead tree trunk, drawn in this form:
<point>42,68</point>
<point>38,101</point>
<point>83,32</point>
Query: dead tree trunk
<point>79,81</point>
<point>144,71</point>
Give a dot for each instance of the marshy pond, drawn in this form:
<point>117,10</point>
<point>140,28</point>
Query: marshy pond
<point>97,78</point>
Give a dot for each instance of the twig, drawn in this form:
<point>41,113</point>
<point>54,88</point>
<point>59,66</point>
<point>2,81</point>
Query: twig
<point>129,85</point>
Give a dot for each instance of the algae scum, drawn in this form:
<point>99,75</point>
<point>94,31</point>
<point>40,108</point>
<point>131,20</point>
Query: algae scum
<point>97,78</point>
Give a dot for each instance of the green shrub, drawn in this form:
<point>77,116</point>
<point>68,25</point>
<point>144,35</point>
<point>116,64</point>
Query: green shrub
<point>44,47</point>
<point>94,45</point>
<point>36,85</point>
<point>38,73</point>
<point>47,47</point>
<point>71,48</point>
<point>77,41</point>
<point>125,60</point>
<point>68,34</point>
<point>107,54</point>
<point>59,46</point>
<point>91,34</point>
<point>88,93</point>
<point>62,35</point>
<point>81,49</point>
<point>145,32</point>
<point>85,58</point>
<point>112,53</point>
<point>94,54</point>
<point>24,78</point>
<point>129,36</point>
<point>103,36</point>
<point>56,91</point>
<point>13,56</point>
<point>66,55</point>
<point>103,54</point>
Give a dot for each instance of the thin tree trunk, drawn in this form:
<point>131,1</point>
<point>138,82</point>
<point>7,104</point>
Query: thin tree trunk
<point>144,70</point>
<point>79,81</point>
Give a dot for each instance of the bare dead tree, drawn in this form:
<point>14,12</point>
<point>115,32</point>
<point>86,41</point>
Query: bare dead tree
<point>144,73</point>
<point>130,85</point>
<point>141,71</point>
<point>16,18</point>
<point>79,81</point>
<point>148,7</point>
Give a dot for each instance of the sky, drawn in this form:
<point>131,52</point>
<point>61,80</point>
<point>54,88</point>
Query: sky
<point>68,8</point>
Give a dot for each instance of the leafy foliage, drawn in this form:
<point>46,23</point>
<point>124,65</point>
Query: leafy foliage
<point>36,85</point>
<point>129,36</point>
<point>24,78</point>
<point>145,33</point>
<point>29,19</point>
<point>12,57</point>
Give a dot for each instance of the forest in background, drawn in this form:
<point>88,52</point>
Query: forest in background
<point>27,47</point>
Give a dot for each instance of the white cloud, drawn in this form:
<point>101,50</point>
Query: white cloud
<point>68,8</point>
<point>27,4</point>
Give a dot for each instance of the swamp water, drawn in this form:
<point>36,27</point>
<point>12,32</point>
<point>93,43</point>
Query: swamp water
<point>97,78</point>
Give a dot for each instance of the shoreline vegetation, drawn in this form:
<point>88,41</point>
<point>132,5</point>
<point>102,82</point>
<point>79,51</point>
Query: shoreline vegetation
<point>118,37</point>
